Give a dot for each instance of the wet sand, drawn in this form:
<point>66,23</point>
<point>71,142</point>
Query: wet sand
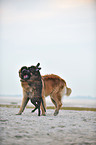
<point>69,127</point>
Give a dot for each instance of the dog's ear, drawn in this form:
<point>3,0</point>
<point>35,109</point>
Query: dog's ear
<point>24,67</point>
<point>38,68</point>
<point>37,65</point>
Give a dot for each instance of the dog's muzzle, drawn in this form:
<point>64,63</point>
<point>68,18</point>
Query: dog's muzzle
<point>25,75</point>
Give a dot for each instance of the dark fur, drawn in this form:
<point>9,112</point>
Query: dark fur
<point>36,84</point>
<point>32,87</point>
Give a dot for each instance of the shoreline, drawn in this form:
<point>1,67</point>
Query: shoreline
<point>51,107</point>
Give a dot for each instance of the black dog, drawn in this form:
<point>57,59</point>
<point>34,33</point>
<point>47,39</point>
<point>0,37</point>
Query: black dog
<point>36,84</point>
<point>32,87</point>
<point>25,73</point>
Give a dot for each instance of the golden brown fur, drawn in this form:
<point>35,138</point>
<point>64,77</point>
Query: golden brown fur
<point>55,87</point>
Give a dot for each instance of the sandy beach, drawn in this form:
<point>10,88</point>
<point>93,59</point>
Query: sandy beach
<point>69,127</point>
<point>58,39</point>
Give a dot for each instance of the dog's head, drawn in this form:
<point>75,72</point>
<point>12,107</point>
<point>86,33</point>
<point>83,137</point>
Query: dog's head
<point>34,70</point>
<point>24,73</point>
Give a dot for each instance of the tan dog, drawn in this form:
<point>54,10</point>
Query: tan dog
<point>52,85</point>
<point>56,88</point>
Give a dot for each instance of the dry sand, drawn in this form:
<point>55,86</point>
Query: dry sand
<point>69,127</point>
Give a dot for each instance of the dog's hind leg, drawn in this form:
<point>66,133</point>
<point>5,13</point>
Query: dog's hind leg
<point>43,105</point>
<point>39,111</point>
<point>53,102</point>
<point>36,104</point>
<point>43,102</point>
<point>56,99</point>
<point>36,109</point>
<point>43,109</point>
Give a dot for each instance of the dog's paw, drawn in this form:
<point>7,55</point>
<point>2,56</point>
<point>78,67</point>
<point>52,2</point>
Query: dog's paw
<point>18,113</point>
<point>56,112</point>
<point>43,114</point>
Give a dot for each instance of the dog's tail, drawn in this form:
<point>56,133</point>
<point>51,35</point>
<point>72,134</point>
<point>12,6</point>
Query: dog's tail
<point>68,91</point>
<point>43,105</point>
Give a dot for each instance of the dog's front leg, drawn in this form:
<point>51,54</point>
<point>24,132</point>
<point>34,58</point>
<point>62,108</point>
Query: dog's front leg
<point>24,102</point>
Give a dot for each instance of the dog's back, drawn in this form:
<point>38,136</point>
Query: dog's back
<point>54,83</point>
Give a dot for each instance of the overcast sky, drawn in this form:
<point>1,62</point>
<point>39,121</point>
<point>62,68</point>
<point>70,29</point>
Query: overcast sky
<point>59,34</point>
